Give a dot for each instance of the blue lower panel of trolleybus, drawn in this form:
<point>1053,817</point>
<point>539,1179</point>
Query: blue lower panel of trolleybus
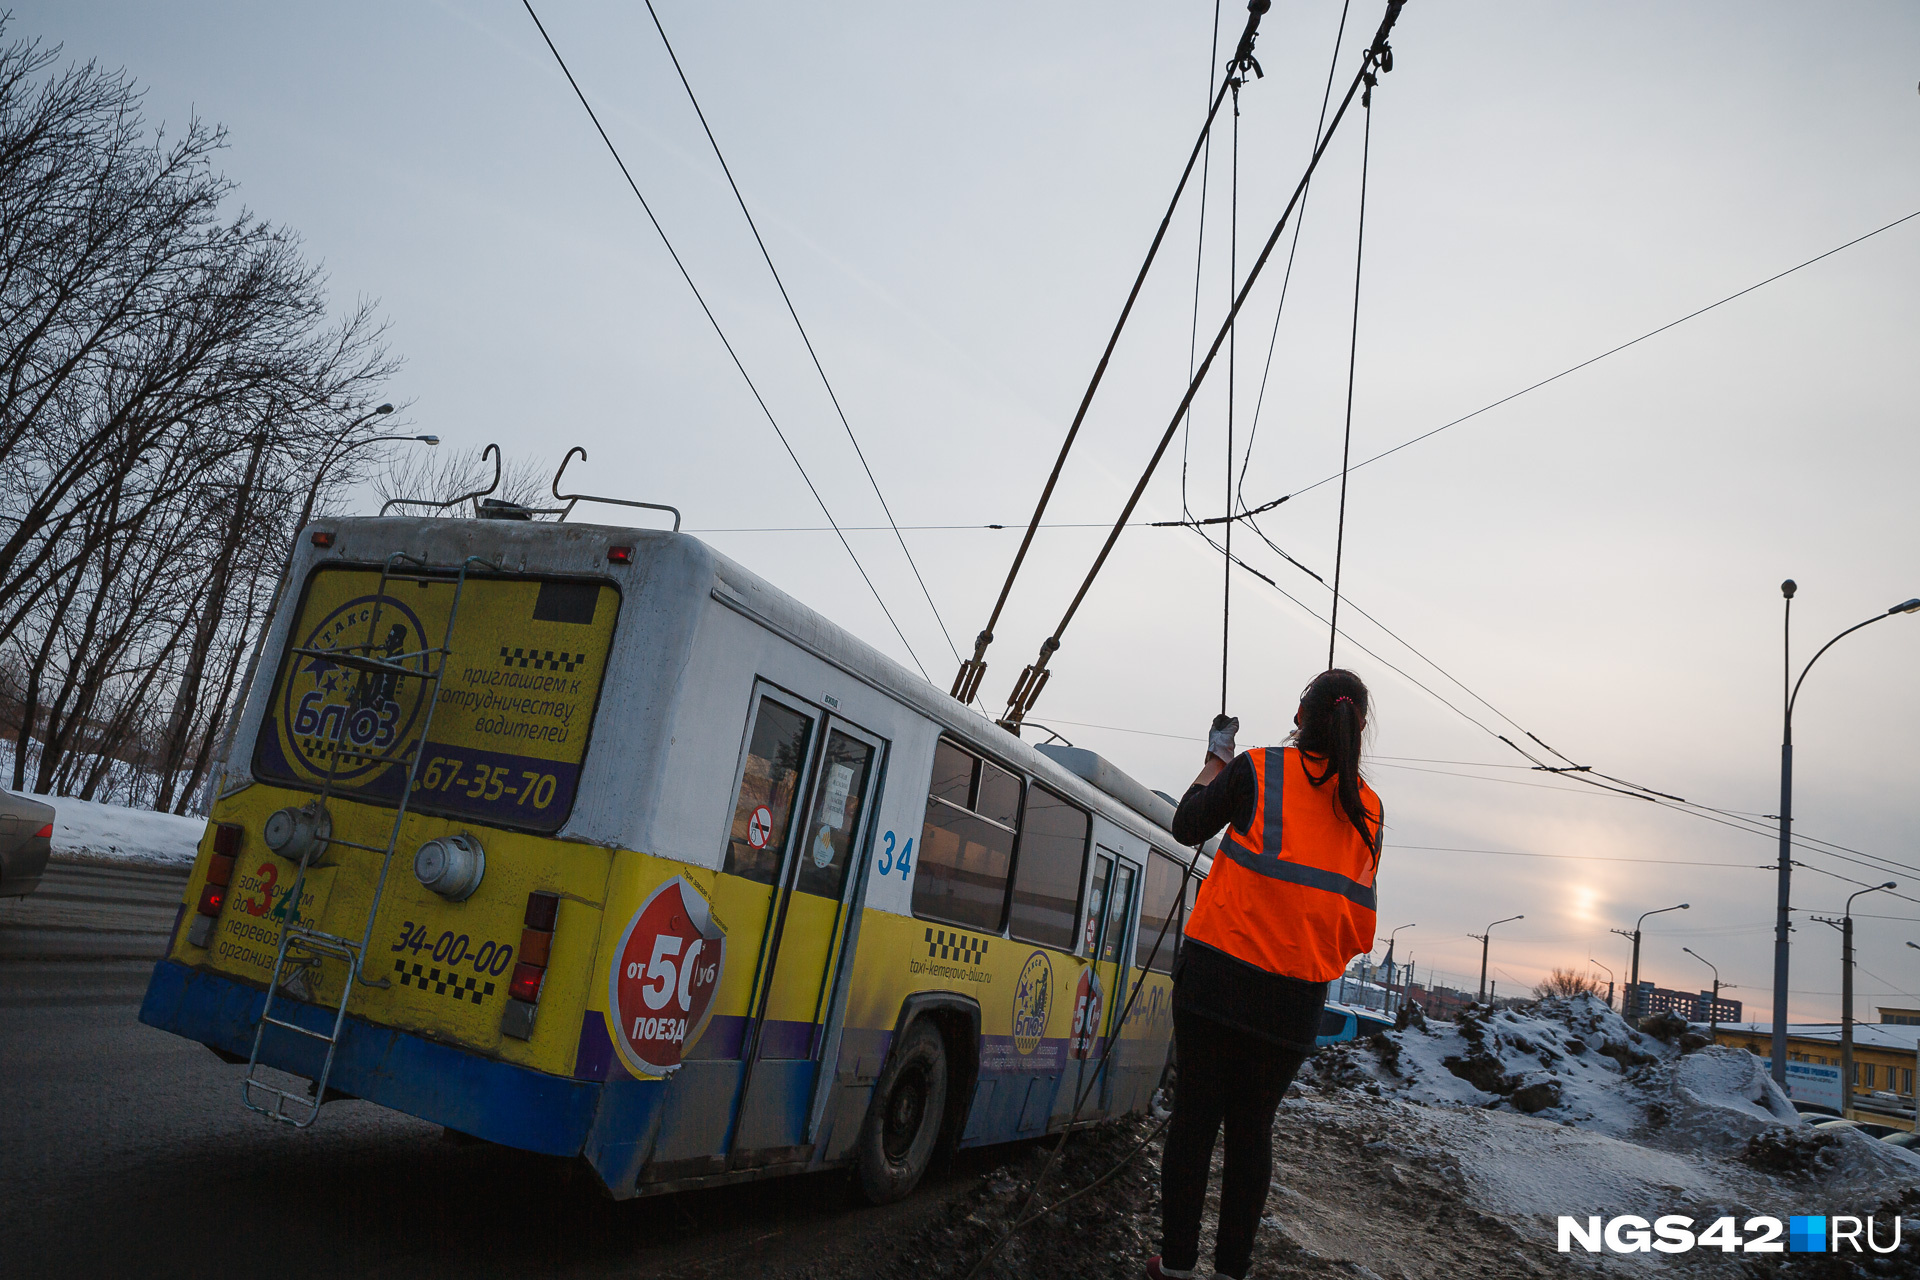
<point>436,1082</point>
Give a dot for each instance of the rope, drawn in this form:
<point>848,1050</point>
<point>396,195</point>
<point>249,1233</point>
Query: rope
<point>1353,356</point>
<point>967,680</point>
<point>814,355</point>
<point>721,333</point>
<point>1033,679</point>
<point>1199,258</point>
<point>1233,271</point>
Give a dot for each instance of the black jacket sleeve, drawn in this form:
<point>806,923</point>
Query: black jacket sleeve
<point>1229,798</point>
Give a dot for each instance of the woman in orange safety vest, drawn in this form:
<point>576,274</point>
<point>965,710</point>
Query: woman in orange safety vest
<point>1288,904</point>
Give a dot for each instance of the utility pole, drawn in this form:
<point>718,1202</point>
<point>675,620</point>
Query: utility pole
<point>1630,1006</point>
<point>1845,926</point>
<point>1783,924</point>
<point>1482,938</point>
<point>1596,964</point>
<point>1713,1009</point>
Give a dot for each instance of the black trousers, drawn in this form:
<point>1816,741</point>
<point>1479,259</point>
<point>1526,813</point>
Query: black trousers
<point>1226,1076</point>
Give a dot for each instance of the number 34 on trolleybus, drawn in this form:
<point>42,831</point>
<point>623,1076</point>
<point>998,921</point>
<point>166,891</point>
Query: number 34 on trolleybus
<point>588,841</point>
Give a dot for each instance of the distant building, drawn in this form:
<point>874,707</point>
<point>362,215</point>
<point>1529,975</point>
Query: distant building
<point>1884,1056</point>
<point>1694,1006</point>
<point>1899,1017</point>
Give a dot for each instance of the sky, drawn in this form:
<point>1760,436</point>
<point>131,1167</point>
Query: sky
<point>958,199</point>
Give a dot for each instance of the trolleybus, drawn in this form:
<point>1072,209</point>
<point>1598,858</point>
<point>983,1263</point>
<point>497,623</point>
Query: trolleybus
<point>588,841</point>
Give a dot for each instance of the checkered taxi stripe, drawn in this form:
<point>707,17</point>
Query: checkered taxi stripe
<point>945,944</point>
<point>445,982</point>
<point>541,659</point>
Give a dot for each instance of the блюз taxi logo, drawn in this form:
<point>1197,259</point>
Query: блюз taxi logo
<point>326,704</point>
<point>1032,1002</point>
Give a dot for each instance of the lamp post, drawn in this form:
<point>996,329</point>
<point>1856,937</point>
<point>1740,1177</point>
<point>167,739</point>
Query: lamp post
<point>1845,925</point>
<point>1713,1009</point>
<point>1390,936</point>
<point>1630,1003</point>
<point>1782,923</point>
<point>1592,961</point>
<point>1483,952</point>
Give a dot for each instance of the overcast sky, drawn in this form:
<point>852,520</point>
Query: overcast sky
<point>958,197</point>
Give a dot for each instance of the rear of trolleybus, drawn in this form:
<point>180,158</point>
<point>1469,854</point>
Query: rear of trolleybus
<point>585,841</point>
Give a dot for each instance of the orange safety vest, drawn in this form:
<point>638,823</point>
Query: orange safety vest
<point>1294,893</point>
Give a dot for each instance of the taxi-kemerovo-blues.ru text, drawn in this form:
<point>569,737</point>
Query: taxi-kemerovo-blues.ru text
<point>1804,1233</point>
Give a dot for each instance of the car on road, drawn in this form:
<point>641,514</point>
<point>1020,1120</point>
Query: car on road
<point>26,840</point>
<point>1867,1127</point>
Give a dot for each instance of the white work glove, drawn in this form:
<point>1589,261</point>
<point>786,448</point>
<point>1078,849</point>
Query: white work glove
<point>1220,739</point>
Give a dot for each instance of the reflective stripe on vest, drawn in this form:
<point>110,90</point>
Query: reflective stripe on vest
<point>1294,892</point>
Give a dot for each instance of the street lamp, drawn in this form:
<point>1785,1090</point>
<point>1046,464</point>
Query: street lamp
<point>1782,924</point>
<point>1592,961</point>
<point>1713,1010</point>
<point>1483,952</point>
<point>1845,925</point>
<point>1390,935</point>
<point>1630,1005</point>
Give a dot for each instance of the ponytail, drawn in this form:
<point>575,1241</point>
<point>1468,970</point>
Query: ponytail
<point>1332,711</point>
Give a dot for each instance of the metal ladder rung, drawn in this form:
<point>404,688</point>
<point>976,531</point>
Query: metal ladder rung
<point>292,1026</point>
<point>376,666</point>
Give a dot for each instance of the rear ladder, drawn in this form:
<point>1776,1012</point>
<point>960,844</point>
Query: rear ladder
<point>302,947</point>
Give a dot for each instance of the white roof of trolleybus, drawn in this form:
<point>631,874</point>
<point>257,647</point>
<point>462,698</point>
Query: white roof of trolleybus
<point>670,569</point>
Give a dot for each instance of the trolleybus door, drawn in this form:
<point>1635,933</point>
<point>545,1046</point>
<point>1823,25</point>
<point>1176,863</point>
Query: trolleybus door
<point>1101,990</point>
<point>808,927</point>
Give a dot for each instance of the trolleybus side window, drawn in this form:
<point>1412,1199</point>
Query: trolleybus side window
<point>1162,901</point>
<point>967,844</point>
<point>835,824</point>
<point>1049,870</point>
<point>776,753</point>
<point>1119,902</point>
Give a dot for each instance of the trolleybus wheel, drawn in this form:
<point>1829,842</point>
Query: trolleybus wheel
<point>903,1122</point>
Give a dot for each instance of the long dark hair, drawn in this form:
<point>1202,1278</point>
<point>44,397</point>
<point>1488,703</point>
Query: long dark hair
<point>1332,711</point>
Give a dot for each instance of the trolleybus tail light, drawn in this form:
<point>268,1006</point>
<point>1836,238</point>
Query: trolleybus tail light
<point>212,898</point>
<point>619,555</point>
<point>322,538</point>
<point>536,945</point>
<point>227,839</point>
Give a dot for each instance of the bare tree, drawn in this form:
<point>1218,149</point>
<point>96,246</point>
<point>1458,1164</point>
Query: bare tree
<point>1567,982</point>
<point>447,474</point>
<point>171,377</point>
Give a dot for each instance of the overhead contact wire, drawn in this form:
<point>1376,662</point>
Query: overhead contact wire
<point>1353,360</point>
<point>721,334</point>
<point>741,200</point>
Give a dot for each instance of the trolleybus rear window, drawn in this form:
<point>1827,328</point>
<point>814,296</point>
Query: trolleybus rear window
<point>502,742</point>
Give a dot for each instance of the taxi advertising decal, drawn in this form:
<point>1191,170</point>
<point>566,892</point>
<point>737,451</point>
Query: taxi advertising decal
<point>515,703</point>
<point>1032,1003</point>
<point>665,972</point>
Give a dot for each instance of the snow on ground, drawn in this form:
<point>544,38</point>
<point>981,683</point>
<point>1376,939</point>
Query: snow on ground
<point>88,831</point>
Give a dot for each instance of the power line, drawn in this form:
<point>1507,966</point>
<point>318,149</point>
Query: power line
<point>1353,361</point>
<point>720,333</point>
<point>791,311</point>
<point>1581,857</point>
<point>1610,351</point>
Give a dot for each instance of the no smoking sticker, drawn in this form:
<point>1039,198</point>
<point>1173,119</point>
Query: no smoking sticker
<point>664,977</point>
<point>760,827</point>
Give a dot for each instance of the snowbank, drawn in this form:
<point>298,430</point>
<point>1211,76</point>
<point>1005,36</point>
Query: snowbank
<point>91,832</point>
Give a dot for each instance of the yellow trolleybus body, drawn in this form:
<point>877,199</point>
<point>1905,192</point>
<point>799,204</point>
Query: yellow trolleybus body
<point>683,873</point>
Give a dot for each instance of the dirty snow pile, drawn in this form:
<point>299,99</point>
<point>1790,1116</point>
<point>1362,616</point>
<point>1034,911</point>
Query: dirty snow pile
<point>87,831</point>
<point>1565,1109</point>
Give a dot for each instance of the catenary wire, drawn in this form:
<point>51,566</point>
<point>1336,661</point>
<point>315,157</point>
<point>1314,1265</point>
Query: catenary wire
<point>812,354</point>
<point>1691,315</point>
<point>1200,253</point>
<point>721,333</point>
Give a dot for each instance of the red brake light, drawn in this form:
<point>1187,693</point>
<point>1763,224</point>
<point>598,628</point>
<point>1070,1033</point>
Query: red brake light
<point>526,982</point>
<point>226,839</point>
<point>212,898</point>
<point>322,538</point>
<point>220,870</point>
<point>44,833</point>
<point>619,555</point>
<point>541,910</point>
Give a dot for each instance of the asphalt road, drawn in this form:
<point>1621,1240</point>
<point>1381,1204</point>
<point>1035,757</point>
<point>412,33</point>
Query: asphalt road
<point>125,1150</point>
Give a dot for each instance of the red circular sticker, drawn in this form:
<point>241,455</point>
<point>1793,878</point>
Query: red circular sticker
<point>760,827</point>
<point>664,977</point>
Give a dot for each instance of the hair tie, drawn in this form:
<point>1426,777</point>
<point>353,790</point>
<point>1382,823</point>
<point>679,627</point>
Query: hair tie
<point>1342,698</point>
